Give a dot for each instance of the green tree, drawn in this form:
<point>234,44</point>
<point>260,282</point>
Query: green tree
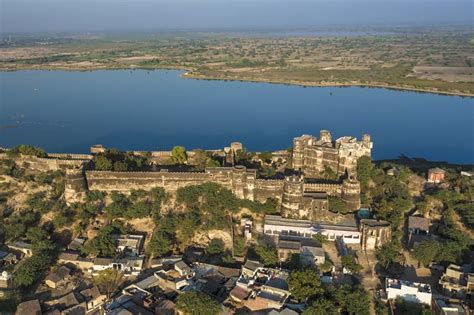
<point>365,171</point>
<point>426,251</point>
<point>101,245</point>
<point>197,303</point>
<point>178,155</point>
<point>120,166</point>
<point>266,156</point>
<point>389,253</point>
<point>215,246</point>
<point>108,280</point>
<point>321,306</point>
<point>159,244</point>
<point>268,255</point>
<point>349,262</point>
<point>305,284</point>
<point>101,163</point>
<point>336,204</point>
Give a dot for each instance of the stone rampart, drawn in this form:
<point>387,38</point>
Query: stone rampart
<point>268,188</point>
<point>330,189</point>
<point>67,156</point>
<point>126,181</point>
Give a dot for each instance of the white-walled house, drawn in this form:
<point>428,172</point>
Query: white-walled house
<point>408,290</point>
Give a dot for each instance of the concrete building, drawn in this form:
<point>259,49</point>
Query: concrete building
<point>446,306</point>
<point>309,252</point>
<point>58,277</point>
<point>374,233</point>
<point>408,290</point>
<point>457,281</point>
<point>276,226</point>
<point>128,244</point>
<point>436,175</point>
<point>418,230</point>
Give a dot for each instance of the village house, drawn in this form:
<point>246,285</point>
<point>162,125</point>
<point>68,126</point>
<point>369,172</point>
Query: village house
<point>447,306</point>
<point>418,230</point>
<point>31,307</point>
<point>436,175</point>
<point>6,281</point>
<point>251,267</point>
<point>129,266</point>
<point>457,281</point>
<point>408,290</point>
<point>374,233</point>
<point>272,294</point>
<point>7,259</point>
<point>76,244</point>
<point>183,269</point>
<point>21,246</point>
<point>93,298</point>
<point>58,277</point>
<point>128,244</point>
<point>309,252</point>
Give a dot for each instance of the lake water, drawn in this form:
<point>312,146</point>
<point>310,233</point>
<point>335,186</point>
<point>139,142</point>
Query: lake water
<point>69,111</point>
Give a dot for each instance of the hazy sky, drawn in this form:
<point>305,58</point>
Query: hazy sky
<point>99,15</point>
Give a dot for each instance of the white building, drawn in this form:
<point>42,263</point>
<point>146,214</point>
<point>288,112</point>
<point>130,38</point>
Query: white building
<point>276,225</point>
<point>408,290</point>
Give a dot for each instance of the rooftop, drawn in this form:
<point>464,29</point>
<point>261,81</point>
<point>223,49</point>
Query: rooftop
<point>397,284</point>
<point>417,222</point>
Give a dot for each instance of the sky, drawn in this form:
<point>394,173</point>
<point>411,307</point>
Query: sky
<point>134,15</point>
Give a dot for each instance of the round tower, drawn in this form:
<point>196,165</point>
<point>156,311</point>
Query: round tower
<point>76,185</point>
<point>292,197</point>
<point>239,173</point>
<point>350,193</point>
<point>367,141</point>
<point>325,136</point>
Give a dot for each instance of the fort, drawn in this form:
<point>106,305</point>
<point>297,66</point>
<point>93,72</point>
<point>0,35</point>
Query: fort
<point>302,193</point>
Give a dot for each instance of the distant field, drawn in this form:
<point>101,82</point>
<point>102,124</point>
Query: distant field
<point>440,60</point>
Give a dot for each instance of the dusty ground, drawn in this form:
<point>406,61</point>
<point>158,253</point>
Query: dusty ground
<point>449,74</point>
<point>437,60</point>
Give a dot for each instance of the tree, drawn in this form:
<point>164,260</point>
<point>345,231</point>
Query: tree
<point>178,155</point>
<point>365,170</point>
<point>101,163</point>
<point>352,301</point>
<point>336,204</point>
<point>101,245</point>
<point>265,156</point>
<point>389,253</point>
<point>159,244</point>
<point>215,246</point>
<point>348,262</point>
<point>268,256</point>
<point>321,306</point>
<point>120,166</point>
<point>197,303</point>
<point>305,284</point>
<point>358,302</point>
<point>108,280</point>
<point>426,251</point>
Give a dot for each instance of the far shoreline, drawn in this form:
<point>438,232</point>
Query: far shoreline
<point>188,74</point>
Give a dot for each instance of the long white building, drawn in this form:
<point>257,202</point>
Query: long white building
<point>408,290</point>
<point>276,225</point>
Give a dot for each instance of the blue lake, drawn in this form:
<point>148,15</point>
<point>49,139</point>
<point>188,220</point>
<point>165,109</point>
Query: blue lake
<point>69,111</point>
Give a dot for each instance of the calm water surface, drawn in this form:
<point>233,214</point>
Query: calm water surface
<point>69,111</point>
